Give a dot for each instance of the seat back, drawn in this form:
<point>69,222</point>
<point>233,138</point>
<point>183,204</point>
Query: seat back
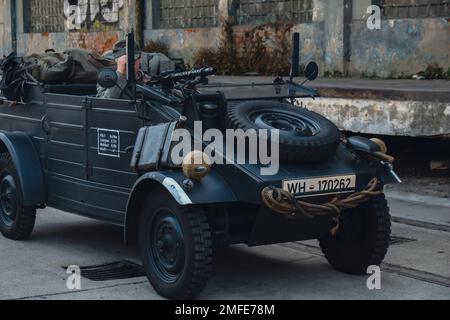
<point>76,89</point>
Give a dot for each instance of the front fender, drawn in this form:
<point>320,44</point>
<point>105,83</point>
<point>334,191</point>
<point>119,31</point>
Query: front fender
<point>28,166</point>
<point>211,190</point>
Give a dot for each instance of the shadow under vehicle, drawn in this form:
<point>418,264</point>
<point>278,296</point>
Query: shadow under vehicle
<point>110,160</point>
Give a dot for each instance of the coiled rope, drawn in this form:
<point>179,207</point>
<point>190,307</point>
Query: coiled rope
<point>285,203</point>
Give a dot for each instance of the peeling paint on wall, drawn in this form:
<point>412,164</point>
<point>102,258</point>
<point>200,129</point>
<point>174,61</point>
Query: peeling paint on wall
<point>100,42</point>
<point>400,47</point>
<point>99,31</point>
<point>186,42</point>
<point>386,117</point>
<point>87,11</point>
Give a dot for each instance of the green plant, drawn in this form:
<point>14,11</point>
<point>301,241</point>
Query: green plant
<point>337,74</point>
<point>252,54</point>
<point>227,58</point>
<point>205,56</point>
<point>224,58</point>
<point>374,75</point>
<point>404,76</point>
<point>433,71</point>
<point>157,46</point>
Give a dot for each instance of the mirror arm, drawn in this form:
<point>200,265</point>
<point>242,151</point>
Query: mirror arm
<point>312,93</point>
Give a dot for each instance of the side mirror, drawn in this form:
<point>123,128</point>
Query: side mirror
<point>312,71</point>
<point>107,78</point>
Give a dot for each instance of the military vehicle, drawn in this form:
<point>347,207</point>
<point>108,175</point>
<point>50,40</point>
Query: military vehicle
<point>110,160</point>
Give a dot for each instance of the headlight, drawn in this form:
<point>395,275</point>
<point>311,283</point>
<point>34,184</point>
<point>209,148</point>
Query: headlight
<point>196,165</point>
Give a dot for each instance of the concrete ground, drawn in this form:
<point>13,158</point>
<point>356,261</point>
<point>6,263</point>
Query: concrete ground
<point>418,268</point>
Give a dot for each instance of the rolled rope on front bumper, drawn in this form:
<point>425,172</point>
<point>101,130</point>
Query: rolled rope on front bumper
<point>285,203</point>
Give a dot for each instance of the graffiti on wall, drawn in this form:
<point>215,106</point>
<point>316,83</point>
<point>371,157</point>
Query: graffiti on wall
<point>84,12</point>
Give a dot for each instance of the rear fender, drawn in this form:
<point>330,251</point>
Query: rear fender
<point>28,166</point>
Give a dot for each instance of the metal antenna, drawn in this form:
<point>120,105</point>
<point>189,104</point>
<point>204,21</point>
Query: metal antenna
<point>131,76</point>
<point>295,62</point>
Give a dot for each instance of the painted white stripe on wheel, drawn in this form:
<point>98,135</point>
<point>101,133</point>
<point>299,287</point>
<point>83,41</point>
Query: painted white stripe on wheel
<point>177,191</point>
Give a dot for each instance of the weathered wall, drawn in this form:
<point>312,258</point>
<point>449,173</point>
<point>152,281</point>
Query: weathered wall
<point>401,46</point>
<point>386,117</point>
<point>321,39</point>
<point>186,42</point>
<point>312,41</point>
<point>5,27</point>
<point>2,26</point>
<point>101,42</point>
<point>99,35</point>
<point>333,45</point>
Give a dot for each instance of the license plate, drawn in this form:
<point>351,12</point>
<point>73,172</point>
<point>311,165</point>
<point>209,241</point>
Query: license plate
<point>321,186</point>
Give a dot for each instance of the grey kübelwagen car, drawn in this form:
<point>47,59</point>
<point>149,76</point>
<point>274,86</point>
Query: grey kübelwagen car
<point>109,159</point>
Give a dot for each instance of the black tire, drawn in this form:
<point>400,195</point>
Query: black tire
<point>305,136</point>
<point>362,240</point>
<point>178,272</point>
<point>16,220</point>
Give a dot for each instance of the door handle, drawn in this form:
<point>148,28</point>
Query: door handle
<point>45,123</point>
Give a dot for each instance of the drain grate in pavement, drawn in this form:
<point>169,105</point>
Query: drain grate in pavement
<point>400,240</point>
<point>113,271</point>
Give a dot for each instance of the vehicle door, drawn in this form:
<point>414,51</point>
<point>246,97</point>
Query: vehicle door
<point>112,127</point>
<point>66,150</point>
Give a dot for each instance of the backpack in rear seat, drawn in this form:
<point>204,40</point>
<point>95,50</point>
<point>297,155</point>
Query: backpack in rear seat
<point>71,66</point>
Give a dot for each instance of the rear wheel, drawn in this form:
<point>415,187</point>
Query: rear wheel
<point>16,220</point>
<point>176,247</point>
<point>362,239</point>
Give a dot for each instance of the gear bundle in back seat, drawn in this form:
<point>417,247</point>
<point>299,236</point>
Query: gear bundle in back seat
<point>14,76</point>
<point>70,66</point>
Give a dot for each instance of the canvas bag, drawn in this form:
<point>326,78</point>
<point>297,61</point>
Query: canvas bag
<point>71,66</point>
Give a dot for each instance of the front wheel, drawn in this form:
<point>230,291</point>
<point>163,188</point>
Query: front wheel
<point>176,247</point>
<point>362,239</point>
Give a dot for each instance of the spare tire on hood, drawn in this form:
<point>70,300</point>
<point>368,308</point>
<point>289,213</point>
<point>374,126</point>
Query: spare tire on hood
<point>305,136</point>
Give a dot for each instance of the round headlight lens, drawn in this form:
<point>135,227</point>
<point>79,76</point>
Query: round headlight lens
<point>196,165</point>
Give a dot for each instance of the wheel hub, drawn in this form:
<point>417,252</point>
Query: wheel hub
<point>167,247</point>
<point>286,122</point>
<point>8,198</point>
